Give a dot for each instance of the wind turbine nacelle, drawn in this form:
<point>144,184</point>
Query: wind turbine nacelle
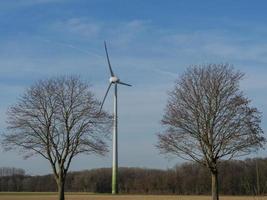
<point>114,79</point>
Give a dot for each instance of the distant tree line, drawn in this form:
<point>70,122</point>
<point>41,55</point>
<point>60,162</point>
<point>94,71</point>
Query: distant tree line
<point>237,177</point>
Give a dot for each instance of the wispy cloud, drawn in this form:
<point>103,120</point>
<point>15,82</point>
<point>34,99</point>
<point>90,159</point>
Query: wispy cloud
<point>218,44</point>
<point>71,46</point>
<point>79,26</point>
<point>120,33</point>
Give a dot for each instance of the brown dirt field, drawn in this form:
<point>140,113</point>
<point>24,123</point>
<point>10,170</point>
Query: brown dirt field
<point>17,196</point>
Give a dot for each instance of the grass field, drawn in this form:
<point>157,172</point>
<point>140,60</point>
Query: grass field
<point>83,196</point>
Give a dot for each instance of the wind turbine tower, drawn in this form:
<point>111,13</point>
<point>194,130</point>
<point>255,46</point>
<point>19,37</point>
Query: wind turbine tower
<point>114,80</point>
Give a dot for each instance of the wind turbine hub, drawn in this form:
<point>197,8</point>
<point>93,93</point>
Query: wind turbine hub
<point>114,79</point>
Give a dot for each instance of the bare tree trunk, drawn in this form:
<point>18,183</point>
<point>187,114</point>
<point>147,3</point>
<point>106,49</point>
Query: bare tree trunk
<point>214,185</point>
<point>60,186</point>
<point>258,179</point>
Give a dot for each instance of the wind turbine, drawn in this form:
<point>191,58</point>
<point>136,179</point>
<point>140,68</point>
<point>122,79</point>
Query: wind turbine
<point>114,80</point>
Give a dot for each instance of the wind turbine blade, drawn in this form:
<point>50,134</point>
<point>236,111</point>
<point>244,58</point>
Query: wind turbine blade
<point>105,97</point>
<point>109,65</point>
<point>122,83</point>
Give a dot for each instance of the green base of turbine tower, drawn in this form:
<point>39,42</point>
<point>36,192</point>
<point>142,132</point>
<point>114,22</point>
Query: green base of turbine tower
<point>114,182</point>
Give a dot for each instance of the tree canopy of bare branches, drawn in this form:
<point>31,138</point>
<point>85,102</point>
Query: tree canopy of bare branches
<point>58,118</point>
<point>208,118</point>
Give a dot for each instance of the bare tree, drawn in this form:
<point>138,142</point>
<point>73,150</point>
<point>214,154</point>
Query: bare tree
<point>58,119</point>
<point>208,118</point>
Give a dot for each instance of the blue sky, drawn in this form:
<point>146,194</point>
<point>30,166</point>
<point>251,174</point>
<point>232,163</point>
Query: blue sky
<point>150,44</point>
